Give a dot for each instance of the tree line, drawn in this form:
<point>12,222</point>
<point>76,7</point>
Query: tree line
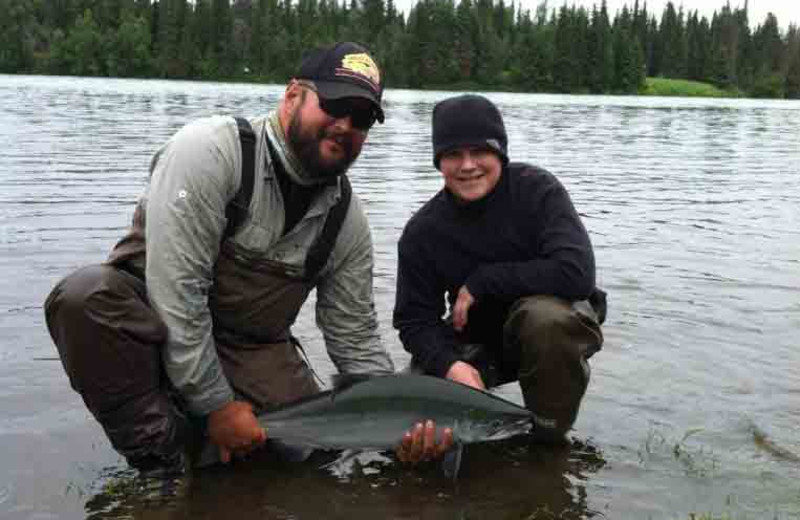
<point>480,44</point>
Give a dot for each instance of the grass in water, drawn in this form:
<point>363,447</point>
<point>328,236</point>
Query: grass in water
<point>697,462</point>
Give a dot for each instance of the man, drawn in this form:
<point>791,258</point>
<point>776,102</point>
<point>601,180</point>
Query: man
<point>189,317</point>
<point>504,244</point>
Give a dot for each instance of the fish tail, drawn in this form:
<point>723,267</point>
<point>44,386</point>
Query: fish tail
<point>451,464</point>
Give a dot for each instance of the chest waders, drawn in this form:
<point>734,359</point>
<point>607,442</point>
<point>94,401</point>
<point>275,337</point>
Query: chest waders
<point>254,301</point>
<point>110,340</point>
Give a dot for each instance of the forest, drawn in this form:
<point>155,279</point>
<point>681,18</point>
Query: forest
<point>470,44</point>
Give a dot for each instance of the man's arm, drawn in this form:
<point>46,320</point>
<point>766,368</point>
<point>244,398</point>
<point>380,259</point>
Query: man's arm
<point>564,261</point>
<point>345,302</point>
<point>192,179</point>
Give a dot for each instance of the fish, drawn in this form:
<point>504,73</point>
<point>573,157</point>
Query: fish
<point>374,414</point>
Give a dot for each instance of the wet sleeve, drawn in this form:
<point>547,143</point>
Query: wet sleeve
<point>192,178</point>
<point>345,309</point>
<point>563,264</point>
<point>419,307</point>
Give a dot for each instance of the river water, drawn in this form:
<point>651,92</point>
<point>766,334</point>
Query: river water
<point>693,207</point>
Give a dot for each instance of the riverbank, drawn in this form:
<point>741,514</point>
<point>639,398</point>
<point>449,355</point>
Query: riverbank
<point>654,86</point>
<point>684,88</point>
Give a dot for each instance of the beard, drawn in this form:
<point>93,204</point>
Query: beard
<point>307,150</point>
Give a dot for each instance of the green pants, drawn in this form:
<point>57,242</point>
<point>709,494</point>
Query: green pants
<point>546,344</point>
<point>552,339</point>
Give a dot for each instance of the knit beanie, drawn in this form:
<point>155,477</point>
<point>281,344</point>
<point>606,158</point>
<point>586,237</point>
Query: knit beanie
<point>468,121</point>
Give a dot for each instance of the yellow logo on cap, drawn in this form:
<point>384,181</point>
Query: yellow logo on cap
<point>362,65</point>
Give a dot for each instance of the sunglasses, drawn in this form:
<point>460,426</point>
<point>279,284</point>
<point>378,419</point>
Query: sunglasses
<point>361,117</point>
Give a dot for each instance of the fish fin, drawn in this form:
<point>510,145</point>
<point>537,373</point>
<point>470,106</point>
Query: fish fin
<point>343,381</point>
<point>452,461</point>
<point>342,465</point>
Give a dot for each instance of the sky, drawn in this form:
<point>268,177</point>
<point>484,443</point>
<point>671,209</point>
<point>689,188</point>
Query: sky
<point>787,11</point>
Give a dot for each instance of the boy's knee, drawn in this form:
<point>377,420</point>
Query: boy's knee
<point>538,314</point>
<point>550,325</point>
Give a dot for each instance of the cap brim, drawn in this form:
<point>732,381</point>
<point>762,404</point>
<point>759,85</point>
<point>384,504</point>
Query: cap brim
<point>339,90</point>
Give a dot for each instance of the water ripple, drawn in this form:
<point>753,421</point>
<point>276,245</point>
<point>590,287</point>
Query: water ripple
<point>693,207</point>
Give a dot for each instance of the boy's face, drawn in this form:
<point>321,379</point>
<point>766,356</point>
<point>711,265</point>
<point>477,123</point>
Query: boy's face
<point>470,173</point>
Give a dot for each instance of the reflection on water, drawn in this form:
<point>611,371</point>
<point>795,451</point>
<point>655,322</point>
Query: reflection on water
<point>508,479</point>
<point>693,206</point>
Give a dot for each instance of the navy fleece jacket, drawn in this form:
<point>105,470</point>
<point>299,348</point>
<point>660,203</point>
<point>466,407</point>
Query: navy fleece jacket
<point>522,239</point>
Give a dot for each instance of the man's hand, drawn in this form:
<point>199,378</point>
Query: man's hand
<point>235,430</point>
<point>420,443</point>
<point>464,373</point>
<point>461,308</point>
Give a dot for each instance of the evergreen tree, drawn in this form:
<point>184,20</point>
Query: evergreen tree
<point>485,43</point>
<point>698,37</point>
<point>241,36</point>
<point>566,71</point>
<point>491,51</point>
<point>219,55</point>
<point>792,84</point>
<point>629,65</point>
<point>372,21</point>
<point>17,27</point>
<point>724,48</point>
<point>645,29</point>
<point>672,49</point>
<point>390,49</point>
<point>770,54</point>
<point>465,26</point>
<point>745,53</point>
<point>600,52</point>
<point>768,45</point>
<point>128,48</point>
<point>171,18</point>
<point>79,52</point>
<point>535,53</point>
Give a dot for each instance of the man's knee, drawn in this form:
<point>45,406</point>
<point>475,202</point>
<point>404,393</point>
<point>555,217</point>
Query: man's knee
<point>82,295</point>
<point>67,314</point>
<point>110,341</point>
<point>106,335</point>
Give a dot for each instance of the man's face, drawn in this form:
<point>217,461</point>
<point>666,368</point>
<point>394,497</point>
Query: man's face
<point>470,173</point>
<point>326,144</point>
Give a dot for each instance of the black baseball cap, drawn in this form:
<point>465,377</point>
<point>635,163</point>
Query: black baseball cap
<point>344,70</point>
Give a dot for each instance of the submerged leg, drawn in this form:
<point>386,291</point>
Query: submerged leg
<point>552,339</point>
<point>109,341</point>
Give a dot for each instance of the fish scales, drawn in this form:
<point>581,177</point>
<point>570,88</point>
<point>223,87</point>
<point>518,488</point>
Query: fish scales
<point>375,413</point>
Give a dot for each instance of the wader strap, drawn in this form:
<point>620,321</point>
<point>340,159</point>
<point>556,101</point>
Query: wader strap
<point>236,211</point>
<point>321,249</point>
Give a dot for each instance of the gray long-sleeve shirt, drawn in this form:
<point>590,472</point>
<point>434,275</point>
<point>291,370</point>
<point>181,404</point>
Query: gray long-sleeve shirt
<point>193,177</point>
